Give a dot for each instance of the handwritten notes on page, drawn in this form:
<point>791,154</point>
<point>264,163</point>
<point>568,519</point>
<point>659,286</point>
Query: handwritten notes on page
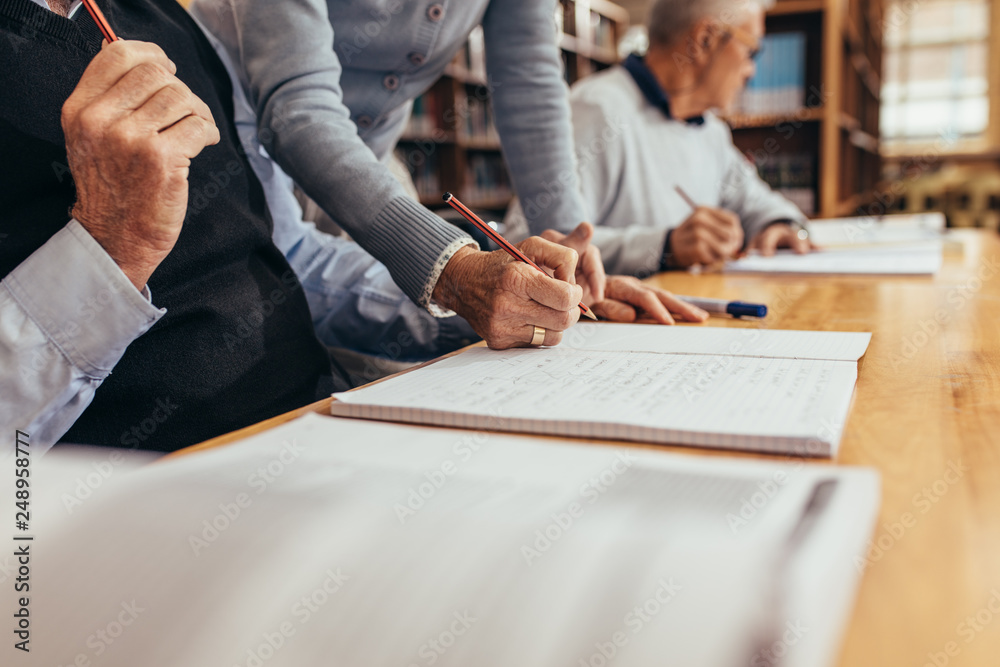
<point>709,398</point>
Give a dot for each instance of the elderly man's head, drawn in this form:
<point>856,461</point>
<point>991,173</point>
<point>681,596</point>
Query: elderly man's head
<point>711,42</point>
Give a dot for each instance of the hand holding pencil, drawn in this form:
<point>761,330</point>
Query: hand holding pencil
<point>513,303</point>
<point>708,236</point>
<point>129,143</point>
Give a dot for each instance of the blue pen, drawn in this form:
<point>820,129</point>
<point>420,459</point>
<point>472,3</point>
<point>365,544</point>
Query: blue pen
<point>722,306</point>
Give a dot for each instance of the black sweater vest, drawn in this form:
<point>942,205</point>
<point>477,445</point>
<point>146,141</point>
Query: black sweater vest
<point>237,343</point>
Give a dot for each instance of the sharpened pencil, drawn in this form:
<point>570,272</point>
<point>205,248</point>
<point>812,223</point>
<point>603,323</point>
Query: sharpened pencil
<point>102,23</point>
<point>499,240</point>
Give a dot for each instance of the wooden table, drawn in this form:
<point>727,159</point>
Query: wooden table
<point>927,415</point>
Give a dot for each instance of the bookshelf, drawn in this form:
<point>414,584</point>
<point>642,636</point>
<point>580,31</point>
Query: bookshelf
<point>451,143</point>
<point>826,151</point>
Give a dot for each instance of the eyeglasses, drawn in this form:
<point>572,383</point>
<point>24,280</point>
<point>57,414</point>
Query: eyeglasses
<point>753,44</point>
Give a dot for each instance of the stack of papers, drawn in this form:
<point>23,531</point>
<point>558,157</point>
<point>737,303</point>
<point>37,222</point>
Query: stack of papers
<point>887,230</point>
<point>888,245</point>
<point>327,541</point>
<point>771,391</point>
<point>907,259</point>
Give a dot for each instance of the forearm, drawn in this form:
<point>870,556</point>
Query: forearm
<point>307,129</point>
<point>67,314</point>
<point>356,305</point>
<point>532,112</point>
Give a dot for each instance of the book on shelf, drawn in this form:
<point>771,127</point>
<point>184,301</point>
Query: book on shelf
<point>779,85</point>
<point>479,123</point>
<point>425,118</point>
<point>472,56</point>
<point>424,171</point>
<point>793,176</point>
<point>486,178</point>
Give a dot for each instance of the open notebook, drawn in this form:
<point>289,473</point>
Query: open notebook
<point>771,391</point>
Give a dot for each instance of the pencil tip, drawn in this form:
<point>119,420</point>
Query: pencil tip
<point>590,314</point>
<point>447,197</point>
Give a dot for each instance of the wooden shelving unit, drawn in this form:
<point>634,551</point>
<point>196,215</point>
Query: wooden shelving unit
<point>840,120</point>
<point>451,144</point>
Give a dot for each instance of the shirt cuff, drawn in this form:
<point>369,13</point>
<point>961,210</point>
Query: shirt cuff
<point>667,261</point>
<point>82,301</point>
<point>449,252</point>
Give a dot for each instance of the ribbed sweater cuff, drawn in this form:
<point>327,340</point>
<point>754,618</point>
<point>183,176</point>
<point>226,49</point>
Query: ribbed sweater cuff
<point>415,244</point>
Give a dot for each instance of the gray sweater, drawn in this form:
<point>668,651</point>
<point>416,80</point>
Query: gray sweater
<point>333,83</point>
<point>630,158</point>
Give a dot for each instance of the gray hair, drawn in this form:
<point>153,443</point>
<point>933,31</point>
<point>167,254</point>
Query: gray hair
<point>669,20</point>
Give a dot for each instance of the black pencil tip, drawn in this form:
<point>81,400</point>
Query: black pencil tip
<point>447,196</point>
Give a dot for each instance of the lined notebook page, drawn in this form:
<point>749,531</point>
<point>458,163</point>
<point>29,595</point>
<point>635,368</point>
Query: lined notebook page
<point>764,404</point>
<point>910,259</point>
<point>829,345</point>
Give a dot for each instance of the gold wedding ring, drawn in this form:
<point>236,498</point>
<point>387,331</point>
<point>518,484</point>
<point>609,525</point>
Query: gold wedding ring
<point>538,338</point>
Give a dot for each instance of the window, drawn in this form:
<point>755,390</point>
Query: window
<point>935,72</point>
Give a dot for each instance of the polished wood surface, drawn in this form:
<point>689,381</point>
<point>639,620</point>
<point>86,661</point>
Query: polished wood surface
<point>927,416</point>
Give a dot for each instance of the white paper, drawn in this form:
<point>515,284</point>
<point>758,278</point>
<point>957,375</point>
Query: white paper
<point>776,343</point>
<point>903,259</point>
<point>754,403</point>
<point>318,566</point>
<point>892,229</point>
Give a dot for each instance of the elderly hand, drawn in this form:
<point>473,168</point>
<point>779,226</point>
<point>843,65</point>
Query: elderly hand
<point>590,268</point>
<point>504,299</point>
<point>780,235</point>
<point>709,235</point>
<point>630,300</point>
<point>131,130</point>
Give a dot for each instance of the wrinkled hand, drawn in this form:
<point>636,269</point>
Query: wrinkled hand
<point>709,235</point>
<point>780,236</point>
<point>504,299</point>
<point>590,268</point>
<point>131,129</point>
<point>630,300</point>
